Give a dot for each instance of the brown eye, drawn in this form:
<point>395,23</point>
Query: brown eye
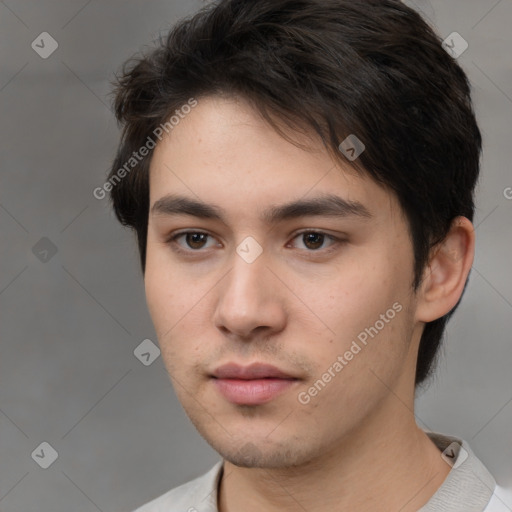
<point>194,241</point>
<point>314,240</point>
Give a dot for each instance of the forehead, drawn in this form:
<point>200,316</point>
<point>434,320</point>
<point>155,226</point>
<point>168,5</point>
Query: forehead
<point>223,153</point>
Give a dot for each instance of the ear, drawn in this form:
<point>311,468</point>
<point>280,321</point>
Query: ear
<point>447,271</point>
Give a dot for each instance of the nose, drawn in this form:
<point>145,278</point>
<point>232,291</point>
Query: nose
<point>250,300</point>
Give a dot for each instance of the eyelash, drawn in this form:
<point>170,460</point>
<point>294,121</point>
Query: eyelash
<point>172,241</point>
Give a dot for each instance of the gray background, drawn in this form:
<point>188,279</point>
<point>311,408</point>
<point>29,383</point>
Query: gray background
<point>70,324</point>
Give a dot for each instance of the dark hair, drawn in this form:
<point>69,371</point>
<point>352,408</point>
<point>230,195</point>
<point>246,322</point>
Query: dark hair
<point>372,68</point>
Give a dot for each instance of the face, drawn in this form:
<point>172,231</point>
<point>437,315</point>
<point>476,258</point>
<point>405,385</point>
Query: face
<point>321,292</point>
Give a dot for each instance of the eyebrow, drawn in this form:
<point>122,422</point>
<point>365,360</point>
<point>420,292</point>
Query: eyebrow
<point>327,205</point>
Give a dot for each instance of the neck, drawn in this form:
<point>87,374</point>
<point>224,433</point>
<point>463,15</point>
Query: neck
<point>387,464</point>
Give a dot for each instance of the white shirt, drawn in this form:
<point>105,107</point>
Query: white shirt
<point>469,487</point>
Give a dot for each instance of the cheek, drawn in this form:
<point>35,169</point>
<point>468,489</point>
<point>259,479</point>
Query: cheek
<point>176,311</point>
<point>354,295</point>
<point>167,290</point>
<point>166,298</point>
<point>160,298</point>
<point>364,302</point>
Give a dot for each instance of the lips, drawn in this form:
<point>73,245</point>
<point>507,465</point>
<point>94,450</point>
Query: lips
<point>255,384</point>
<point>253,371</point>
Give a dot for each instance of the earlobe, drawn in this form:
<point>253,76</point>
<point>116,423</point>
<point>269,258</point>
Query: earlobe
<point>446,274</point>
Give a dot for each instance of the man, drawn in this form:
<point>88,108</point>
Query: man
<point>300,177</point>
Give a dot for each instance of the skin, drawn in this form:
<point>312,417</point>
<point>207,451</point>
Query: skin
<point>298,306</point>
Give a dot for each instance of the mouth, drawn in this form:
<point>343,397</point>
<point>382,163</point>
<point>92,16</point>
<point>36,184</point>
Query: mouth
<point>252,391</point>
<point>251,385</point>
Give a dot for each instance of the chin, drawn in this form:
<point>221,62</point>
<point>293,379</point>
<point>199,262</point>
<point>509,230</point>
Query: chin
<point>258,452</point>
